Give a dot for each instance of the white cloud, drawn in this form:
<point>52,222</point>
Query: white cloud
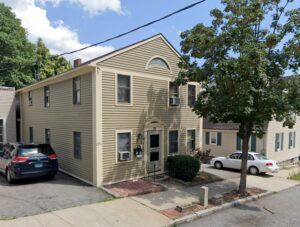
<point>93,7</point>
<point>57,36</point>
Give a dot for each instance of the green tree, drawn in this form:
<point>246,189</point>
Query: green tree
<point>16,52</point>
<point>46,64</point>
<point>240,61</point>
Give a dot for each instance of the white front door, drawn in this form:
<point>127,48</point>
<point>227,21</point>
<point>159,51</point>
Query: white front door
<point>154,150</point>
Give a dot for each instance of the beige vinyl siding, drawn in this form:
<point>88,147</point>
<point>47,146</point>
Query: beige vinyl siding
<point>8,112</point>
<point>150,98</point>
<point>228,145</point>
<point>285,154</point>
<point>63,118</point>
<point>137,58</point>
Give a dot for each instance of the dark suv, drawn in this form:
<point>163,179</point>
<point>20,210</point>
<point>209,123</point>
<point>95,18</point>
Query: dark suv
<point>18,161</point>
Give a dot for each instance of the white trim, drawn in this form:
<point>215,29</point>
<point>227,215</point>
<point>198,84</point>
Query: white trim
<point>97,128</point>
<point>75,176</point>
<point>164,59</point>
<point>116,145</point>
<point>210,136</point>
<point>58,78</point>
<point>116,90</point>
<point>160,131</point>
<point>137,74</point>
<point>186,136</point>
<point>168,141</point>
<point>4,130</point>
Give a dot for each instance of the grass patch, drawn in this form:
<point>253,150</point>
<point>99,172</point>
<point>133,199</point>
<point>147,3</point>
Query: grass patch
<point>295,176</point>
<point>202,178</point>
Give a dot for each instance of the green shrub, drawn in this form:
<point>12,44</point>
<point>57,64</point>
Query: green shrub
<point>183,167</point>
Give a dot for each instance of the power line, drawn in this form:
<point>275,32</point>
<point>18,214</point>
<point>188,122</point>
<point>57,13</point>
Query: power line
<point>133,30</point>
<point>125,33</point>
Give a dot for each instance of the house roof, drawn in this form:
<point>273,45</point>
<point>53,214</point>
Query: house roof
<point>93,62</point>
<point>220,126</point>
<point>7,88</point>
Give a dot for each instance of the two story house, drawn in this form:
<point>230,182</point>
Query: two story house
<point>7,115</point>
<point>278,143</point>
<point>111,118</point>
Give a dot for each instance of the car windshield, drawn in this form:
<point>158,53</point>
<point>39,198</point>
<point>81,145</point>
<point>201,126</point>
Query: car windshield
<point>32,150</point>
<point>260,157</point>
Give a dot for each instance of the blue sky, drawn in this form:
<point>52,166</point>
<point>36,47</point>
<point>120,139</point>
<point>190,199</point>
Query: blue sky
<point>65,25</point>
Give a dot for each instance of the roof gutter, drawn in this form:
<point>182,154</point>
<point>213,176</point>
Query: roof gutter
<point>84,68</point>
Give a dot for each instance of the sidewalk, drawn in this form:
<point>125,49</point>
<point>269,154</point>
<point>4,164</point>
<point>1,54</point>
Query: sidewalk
<point>120,212</point>
<point>145,210</point>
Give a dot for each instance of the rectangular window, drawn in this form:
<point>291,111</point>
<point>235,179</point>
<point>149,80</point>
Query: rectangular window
<point>292,137</point>
<point>30,134</point>
<point>124,89</point>
<point>46,96</point>
<point>251,143</point>
<point>1,132</point>
<point>174,99</point>
<point>29,98</point>
<point>213,138</point>
<point>76,90</point>
<point>173,142</point>
<point>191,95</point>
<point>124,146</point>
<point>77,144</point>
<point>278,141</point>
<point>191,140</point>
<point>47,135</point>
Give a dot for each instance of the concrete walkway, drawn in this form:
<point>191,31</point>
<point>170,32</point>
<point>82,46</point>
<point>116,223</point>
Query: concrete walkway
<point>120,212</point>
<point>144,210</point>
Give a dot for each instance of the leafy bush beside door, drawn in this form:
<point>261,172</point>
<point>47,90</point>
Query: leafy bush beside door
<point>183,167</point>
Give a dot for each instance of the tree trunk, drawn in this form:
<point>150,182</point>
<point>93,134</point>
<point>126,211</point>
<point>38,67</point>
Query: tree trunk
<point>244,170</point>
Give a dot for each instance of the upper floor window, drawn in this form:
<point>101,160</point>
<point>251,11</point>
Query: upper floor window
<point>30,98</point>
<point>158,62</point>
<point>124,89</point>
<point>191,95</point>
<point>46,96</point>
<point>76,90</point>
<point>174,99</point>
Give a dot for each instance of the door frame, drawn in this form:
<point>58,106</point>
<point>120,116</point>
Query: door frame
<point>160,131</point>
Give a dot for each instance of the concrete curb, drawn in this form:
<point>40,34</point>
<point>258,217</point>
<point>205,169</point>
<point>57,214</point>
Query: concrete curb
<point>206,212</point>
<point>111,192</point>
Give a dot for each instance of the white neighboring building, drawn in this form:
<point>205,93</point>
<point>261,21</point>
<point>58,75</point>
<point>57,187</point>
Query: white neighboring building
<point>278,143</point>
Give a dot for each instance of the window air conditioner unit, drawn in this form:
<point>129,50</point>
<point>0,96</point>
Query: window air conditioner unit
<point>174,101</point>
<point>124,155</point>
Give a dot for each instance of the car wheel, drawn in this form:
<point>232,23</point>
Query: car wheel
<point>9,179</point>
<point>218,165</point>
<point>253,170</point>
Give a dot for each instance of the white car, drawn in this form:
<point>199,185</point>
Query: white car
<point>257,163</point>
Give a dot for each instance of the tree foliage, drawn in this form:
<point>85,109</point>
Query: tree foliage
<point>22,62</point>
<point>240,61</point>
<point>46,64</point>
<point>16,52</point>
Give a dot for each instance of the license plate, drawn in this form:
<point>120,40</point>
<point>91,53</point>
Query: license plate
<point>38,165</point>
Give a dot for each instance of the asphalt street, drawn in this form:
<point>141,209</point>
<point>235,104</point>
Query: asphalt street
<point>281,209</point>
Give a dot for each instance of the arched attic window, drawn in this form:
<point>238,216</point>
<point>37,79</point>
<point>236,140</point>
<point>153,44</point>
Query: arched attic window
<point>158,62</point>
